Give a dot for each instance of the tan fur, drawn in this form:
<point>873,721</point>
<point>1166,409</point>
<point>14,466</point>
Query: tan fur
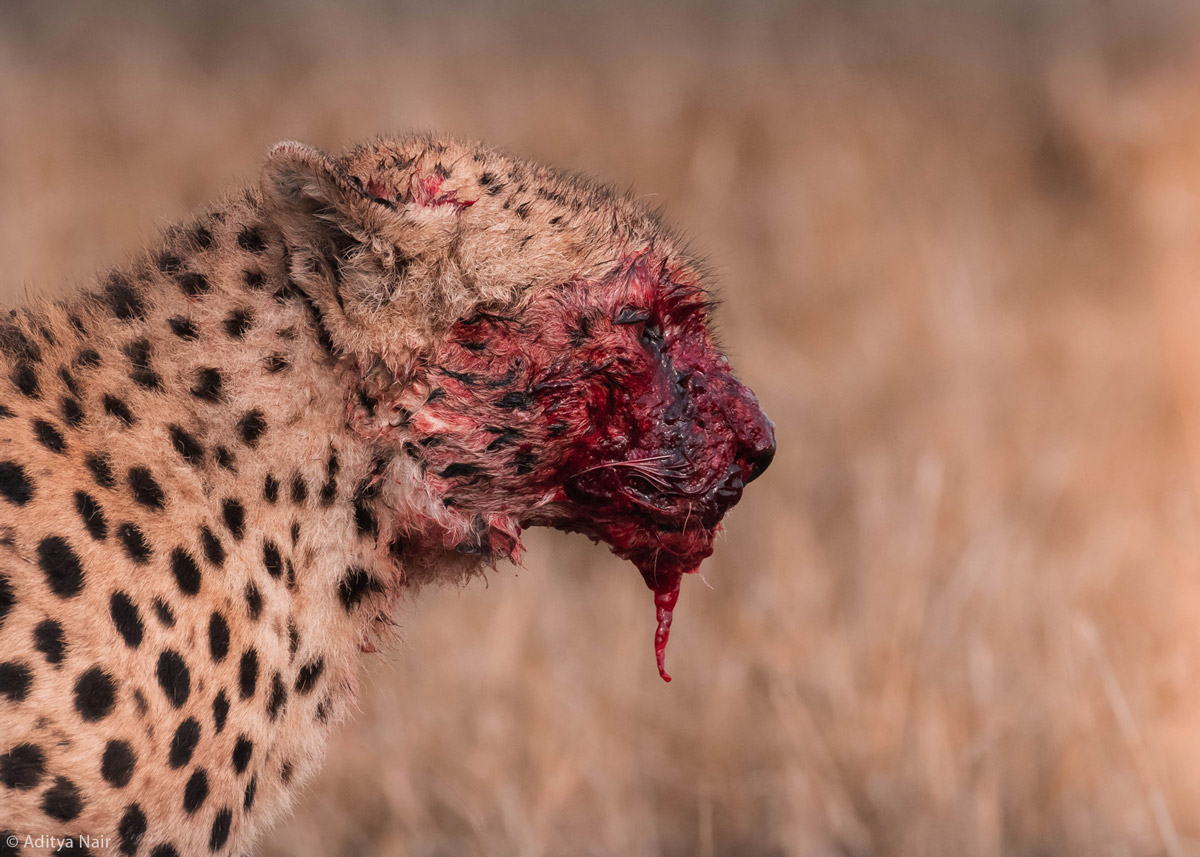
<point>422,260</point>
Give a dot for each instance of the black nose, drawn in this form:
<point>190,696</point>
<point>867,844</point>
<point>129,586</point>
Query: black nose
<point>760,461</point>
<point>762,452</point>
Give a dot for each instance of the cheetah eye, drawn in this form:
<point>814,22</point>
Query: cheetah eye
<point>632,315</point>
<point>652,335</point>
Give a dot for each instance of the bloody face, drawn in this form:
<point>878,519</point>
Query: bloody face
<point>612,415</point>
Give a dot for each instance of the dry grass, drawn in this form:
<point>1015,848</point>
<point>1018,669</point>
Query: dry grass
<point>960,249</point>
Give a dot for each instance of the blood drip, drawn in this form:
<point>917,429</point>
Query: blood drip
<point>665,586</point>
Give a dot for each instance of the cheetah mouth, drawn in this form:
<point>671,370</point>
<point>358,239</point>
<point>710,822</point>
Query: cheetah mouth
<point>662,514</point>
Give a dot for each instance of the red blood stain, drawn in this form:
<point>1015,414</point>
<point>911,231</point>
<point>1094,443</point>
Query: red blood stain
<point>601,408</point>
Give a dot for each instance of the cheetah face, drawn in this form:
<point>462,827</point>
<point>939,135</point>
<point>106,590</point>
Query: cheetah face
<point>600,407</point>
<point>546,345</point>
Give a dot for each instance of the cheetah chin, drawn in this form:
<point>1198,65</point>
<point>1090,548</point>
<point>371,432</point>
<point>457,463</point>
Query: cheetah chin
<point>222,465</point>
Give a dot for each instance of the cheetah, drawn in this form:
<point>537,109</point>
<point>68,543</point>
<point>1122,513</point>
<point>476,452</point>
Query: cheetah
<point>223,463</point>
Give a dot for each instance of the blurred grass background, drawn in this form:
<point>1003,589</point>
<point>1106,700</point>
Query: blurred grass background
<point>959,245</point>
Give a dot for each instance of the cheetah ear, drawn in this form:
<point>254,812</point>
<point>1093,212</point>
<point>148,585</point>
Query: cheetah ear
<point>342,252</point>
<point>365,261</point>
<point>316,201</point>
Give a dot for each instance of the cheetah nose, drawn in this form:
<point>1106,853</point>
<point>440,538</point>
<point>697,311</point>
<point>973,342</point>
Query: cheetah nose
<point>757,436</point>
<point>761,458</point>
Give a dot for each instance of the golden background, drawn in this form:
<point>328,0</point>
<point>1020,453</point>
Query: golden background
<point>960,248</point>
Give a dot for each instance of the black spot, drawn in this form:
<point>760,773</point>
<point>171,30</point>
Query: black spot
<point>147,378</point>
<point>271,559</point>
<point>164,850</point>
<point>93,515</point>
<point>72,411</point>
<point>524,463</point>
<point>208,385</point>
<point>48,639</point>
<point>169,263</point>
<point>117,764</point>
<point>238,322</point>
<point>183,743</point>
<point>165,615</point>
<point>277,363</point>
<point>49,436</point>
<point>219,834</point>
<point>60,564</point>
<point>95,694</point>
<point>218,637</point>
<point>138,352</point>
<point>293,638</point>
<point>14,341</point>
<point>250,240</point>
<point>202,237</point>
<point>234,515</point>
<point>87,359</point>
<point>62,801</point>
<point>187,573</point>
<point>8,597</point>
<point>364,520</point>
<point>195,792</point>
<point>192,284</point>
<point>116,407</point>
<point>25,379</point>
<point>355,586</point>
<point>15,485</point>
<point>515,401</point>
<point>248,673</point>
<point>15,680</point>
<point>251,427</point>
<point>278,698</point>
<point>460,468</point>
<point>251,789</point>
<point>270,488</point>
<point>254,600</point>
<point>134,542</point>
<point>123,300</point>
<point>505,437</point>
<point>173,678</point>
<point>295,532</point>
<point>214,552</point>
<point>299,489</point>
<point>67,378</point>
<point>285,773</point>
<point>131,830</point>
<point>5,412</point>
<point>145,490</point>
<point>523,210</point>
<point>220,708</point>
<point>253,279</point>
<point>184,328</point>
<point>22,767</point>
<point>241,753</point>
<point>308,676</point>
<point>291,571</point>
<point>126,618</point>
<point>224,458</point>
<point>186,445</point>
<point>101,471</point>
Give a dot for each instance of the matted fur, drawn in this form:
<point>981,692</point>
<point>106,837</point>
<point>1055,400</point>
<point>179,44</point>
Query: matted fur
<point>222,465</point>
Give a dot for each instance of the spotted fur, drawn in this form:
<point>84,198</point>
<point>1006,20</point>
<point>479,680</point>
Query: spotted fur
<point>222,463</point>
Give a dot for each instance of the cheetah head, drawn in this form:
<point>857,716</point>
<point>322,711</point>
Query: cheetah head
<point>534,348</point>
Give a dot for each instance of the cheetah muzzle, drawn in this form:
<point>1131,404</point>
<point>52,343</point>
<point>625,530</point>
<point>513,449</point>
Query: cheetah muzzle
<point>222,465</point>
